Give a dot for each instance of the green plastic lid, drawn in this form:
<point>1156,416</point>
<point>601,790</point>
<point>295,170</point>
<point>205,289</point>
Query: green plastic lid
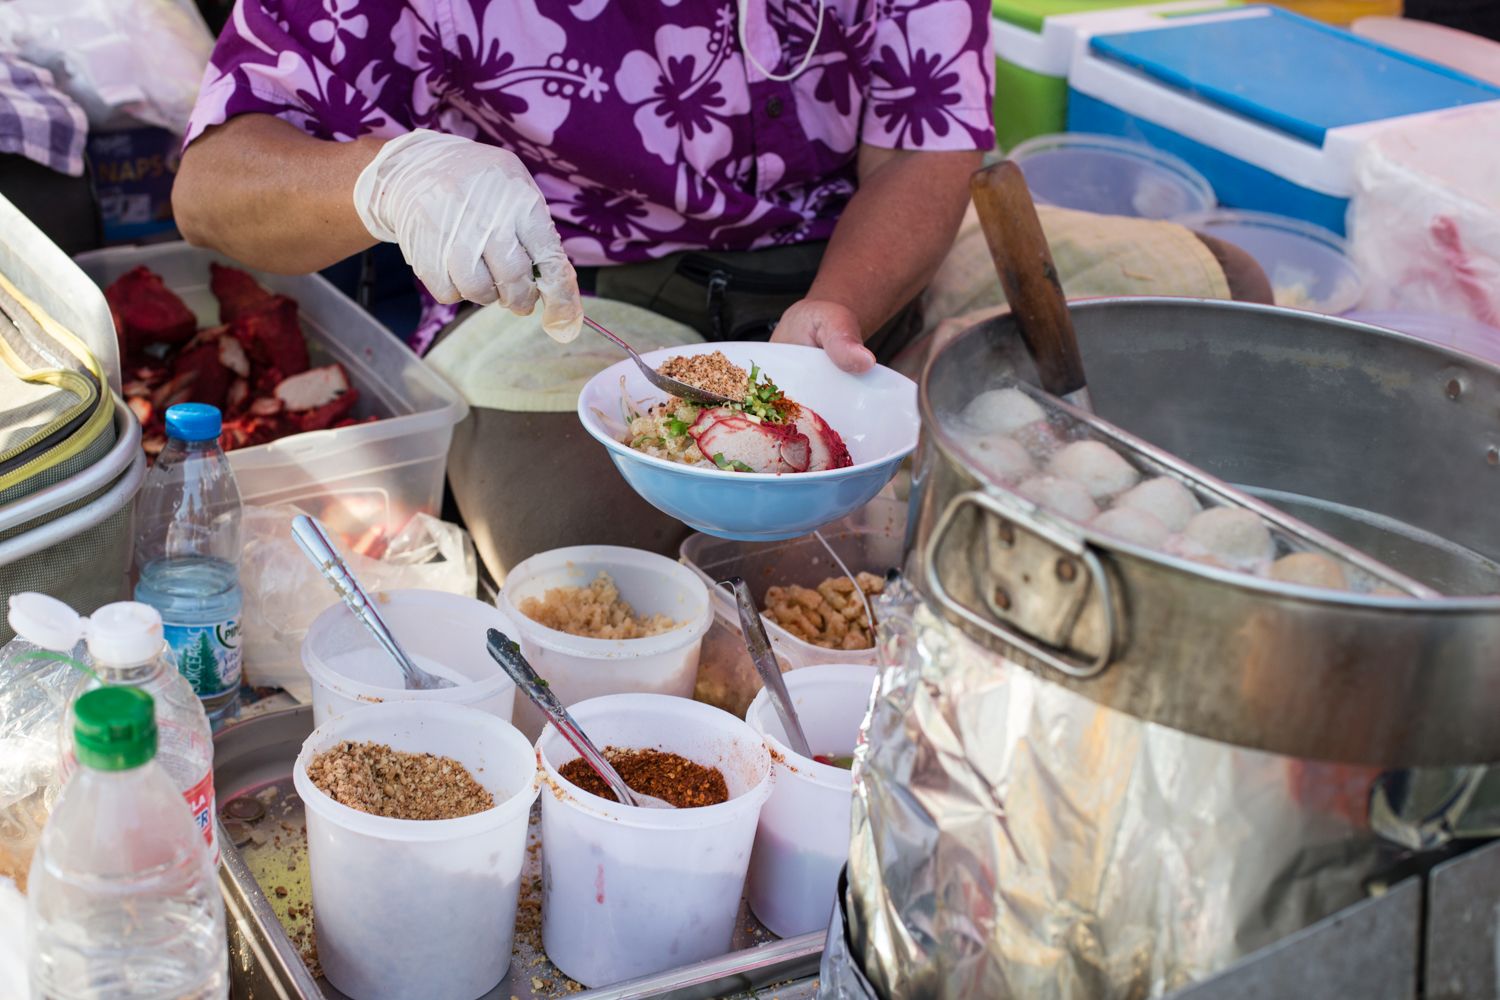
<point>1030,14</point>
<point>114,728</point>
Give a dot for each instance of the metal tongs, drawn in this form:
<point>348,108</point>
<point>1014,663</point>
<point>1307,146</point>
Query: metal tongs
<point>670,386</point>
<point>759,645</point>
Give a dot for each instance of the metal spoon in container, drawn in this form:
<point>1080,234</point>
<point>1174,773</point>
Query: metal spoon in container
<point>310,537</point>
<point>504,650</point>
<point>759,645</point>
<point>670,386</point>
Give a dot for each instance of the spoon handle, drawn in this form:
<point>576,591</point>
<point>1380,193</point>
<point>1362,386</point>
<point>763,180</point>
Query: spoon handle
<point>611,337</point>
<point>310,536</point>
<point>759,645</point>
<point>504,651</point>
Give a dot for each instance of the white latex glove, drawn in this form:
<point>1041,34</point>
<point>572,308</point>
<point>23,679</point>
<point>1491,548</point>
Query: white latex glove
<point>471,222</point>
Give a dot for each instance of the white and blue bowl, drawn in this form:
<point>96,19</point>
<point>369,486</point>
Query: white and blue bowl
<point>875,413</point>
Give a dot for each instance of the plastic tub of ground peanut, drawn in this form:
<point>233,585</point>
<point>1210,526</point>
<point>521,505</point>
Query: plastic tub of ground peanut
<point>604,619</point>
<point>630,891</point>
<point>416,829</point>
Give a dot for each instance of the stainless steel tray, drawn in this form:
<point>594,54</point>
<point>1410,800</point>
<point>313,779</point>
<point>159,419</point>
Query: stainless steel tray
<point>265,885</point>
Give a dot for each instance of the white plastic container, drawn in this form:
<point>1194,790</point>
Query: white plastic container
<point>1109,176</point>
<point>803,839</point>
<point>444,633</point>
<point>1308,266</point>
<point>419,909</point>
<point>370,474</point>
<point>869,540</point>
<point>578,668</point>
<point>629,891</point>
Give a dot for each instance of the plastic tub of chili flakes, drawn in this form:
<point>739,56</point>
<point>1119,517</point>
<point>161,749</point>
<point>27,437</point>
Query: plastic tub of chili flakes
<point>364,481</point>
<point>868,541</point>
<point>628,891</point>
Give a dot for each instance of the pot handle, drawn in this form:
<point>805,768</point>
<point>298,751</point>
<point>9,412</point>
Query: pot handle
<point>1073,666</point>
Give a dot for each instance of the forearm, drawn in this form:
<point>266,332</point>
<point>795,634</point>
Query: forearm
<point>265,193</point>
<point>895,231</point>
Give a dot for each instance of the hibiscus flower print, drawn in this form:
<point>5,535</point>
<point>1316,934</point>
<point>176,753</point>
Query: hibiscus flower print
<point>342,20</point>
<point>684,94</point>
<point>927,90</point>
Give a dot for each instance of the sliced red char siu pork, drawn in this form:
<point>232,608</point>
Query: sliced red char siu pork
<point>736,442</point>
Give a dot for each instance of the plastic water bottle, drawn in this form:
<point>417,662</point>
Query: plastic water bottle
<point>123,902</point>
<point>188,553</point>
<point>125,643</point>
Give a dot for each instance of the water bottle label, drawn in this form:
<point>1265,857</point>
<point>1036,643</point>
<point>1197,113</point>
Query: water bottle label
<point>207,655</point>
<point>200,799</point>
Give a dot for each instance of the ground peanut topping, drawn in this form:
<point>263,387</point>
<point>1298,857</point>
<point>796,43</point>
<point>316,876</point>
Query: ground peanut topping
<point>831,616</point>
<point>594,612</point>
<point>712,372</point>
<point>665,776</point>
<point>375,779</point>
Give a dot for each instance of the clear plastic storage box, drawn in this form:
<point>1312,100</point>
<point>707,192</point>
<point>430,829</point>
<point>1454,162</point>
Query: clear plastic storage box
<point>869,540</point>
<point>366,476</point>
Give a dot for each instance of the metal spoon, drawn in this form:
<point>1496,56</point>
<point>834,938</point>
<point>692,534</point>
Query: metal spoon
<point>313,541</point>
<point>507,653</point>
<point>670,386</point>
<point>759,645</point>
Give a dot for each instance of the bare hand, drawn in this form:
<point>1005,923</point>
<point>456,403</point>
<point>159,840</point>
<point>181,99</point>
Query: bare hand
<point>829,325</point>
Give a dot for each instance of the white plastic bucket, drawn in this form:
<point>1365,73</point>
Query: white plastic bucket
<point>803,839</point>
<point>578,668</point>
<point>629,891</point>
<point>443,633</point>
<point>420,909</point>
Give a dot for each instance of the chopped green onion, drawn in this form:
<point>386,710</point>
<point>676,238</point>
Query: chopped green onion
<point>729,465</point>
<point>677,428</point>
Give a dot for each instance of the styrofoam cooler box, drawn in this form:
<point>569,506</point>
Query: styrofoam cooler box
<point>1270,106</point>
<point>1034,43</point>
<point>374,475</point>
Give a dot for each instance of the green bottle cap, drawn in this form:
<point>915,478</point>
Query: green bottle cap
<point>114,728</point>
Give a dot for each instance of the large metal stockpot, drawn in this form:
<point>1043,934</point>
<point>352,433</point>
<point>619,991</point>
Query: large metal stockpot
<point>1095,772</point>
<point>1383,441</point>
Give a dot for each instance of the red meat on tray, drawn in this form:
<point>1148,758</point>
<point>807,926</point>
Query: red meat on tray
<point>237,292</point>
<point>255,367</point>
<point>147,312</point>
<point>272,337</point>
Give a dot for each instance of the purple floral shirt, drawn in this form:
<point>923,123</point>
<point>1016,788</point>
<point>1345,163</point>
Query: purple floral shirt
<point>644,125</point>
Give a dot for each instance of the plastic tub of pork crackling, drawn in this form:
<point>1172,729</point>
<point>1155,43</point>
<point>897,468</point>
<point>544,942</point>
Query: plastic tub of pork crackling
<point>419,908</point>
<point>580,667</point>
<point>444,634</point>
<point>803,838</point>
<point>629,891</point>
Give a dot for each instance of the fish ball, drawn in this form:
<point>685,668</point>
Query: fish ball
<point>1165,499</point>
<point>1000,458</point>
<point>1134,526</point>
<point>1063,496</point>
<point>1310,569</point>
<point>1233,535</point>
<point>1002,411</point>
<point>1097,466</point>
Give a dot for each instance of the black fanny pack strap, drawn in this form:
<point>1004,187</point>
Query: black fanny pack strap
<point>733,295</point>
<point>730,295</point>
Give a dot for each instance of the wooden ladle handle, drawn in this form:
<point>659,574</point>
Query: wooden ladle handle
<point>1019,248</point>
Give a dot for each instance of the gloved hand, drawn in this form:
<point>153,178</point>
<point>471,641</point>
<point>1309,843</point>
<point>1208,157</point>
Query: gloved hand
<point>471,222</point>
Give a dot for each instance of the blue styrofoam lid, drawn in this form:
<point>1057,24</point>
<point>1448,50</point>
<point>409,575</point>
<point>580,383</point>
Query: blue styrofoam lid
<point>1289,72</point>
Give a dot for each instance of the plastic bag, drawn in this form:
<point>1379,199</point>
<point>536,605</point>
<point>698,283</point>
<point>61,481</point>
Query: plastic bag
<point>128,62</point>
<point>34,695</point>
<point>283,591</point>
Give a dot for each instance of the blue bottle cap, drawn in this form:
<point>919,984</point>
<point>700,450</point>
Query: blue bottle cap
<point>193,422</point>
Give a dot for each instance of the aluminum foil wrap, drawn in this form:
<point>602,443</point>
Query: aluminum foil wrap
<point>1013,839</point>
